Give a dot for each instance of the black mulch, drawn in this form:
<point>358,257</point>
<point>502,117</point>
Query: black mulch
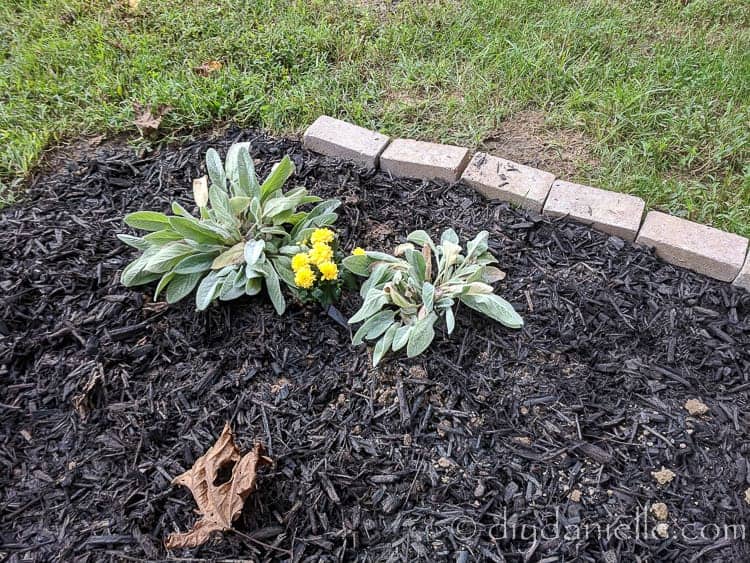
<point>475,451</point>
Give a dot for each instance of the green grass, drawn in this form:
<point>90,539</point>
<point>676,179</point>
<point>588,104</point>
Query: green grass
<point>661,89</point>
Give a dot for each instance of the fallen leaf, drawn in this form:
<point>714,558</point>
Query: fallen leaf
<point>133,5</point>
<point>146,120</point>
<point>200,191</point>
<point>84,401</point>
<point>207,68</point>
<point>221,504</point>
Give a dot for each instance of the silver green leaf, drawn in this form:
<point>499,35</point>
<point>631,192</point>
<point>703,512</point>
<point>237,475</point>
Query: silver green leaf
<point>274,288</point>
<point>384,344</point>
<point>207,290</point>
<point>374,301</point>
<point>216,170</point>
<point>495,307</point>
<point>181,286</point>
<point>421,336</point>
<point>146,220</point>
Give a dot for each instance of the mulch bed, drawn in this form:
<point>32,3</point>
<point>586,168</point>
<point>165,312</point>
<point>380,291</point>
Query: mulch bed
<point>460,454</point>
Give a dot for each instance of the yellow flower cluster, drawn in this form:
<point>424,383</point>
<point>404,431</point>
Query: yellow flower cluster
<point>320,256</point>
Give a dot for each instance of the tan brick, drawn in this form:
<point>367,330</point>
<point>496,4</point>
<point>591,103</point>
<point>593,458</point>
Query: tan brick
<point>407,158</point>
<point>694,246</point>
<point>743,280</point>
<point>611,212</point>
<point>497,178</point>
<point>333,137</point>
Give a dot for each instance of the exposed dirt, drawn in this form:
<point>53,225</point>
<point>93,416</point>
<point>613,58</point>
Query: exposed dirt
<point>495,445</point>
<point>525,138</point>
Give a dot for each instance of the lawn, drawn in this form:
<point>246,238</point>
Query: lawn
<point>660,90</point>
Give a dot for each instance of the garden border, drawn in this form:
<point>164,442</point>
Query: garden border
<point>700,248</point>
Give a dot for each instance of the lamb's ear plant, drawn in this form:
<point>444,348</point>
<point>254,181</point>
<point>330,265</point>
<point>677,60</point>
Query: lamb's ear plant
<point>405,294</point>
<point>243,237</point>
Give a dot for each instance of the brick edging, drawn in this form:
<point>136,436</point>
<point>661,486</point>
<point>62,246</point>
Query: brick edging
<point>703,249</point>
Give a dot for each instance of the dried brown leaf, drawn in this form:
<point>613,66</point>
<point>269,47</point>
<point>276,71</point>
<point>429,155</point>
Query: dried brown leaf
<point>147,119</point>
<point>207,68</point>
<point>83,402</point>
<point>221,504</point>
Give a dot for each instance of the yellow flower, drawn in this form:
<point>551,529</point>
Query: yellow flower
<point>320,253</point>
<point>304,278</point>
<point>359,251</point>
<point>300,261</point>
<point>328,270</point>
<point>322,235</point>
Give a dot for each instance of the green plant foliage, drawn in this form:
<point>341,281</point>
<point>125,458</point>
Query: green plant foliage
<point>406,294</point>
<point>242,239</point>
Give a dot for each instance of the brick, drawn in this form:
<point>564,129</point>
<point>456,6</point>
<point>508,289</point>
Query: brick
<point>696,247</point>
<point>497,178</point>
<point>611,212</point>
<point>743,280</point>
<point>333,137</point>
<point>430,161</point>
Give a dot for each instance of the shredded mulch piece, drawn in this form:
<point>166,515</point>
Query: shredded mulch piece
<point>106,396</point>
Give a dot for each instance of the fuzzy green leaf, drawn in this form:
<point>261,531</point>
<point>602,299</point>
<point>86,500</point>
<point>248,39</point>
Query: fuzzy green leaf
<point>401,337</point>
<point>167,257</point>
<point>373,327</point>
<point>216,170</point>
<point>191,228</point>
<point>147,220</point>
<point>181,286</point>
<point>495,307</point>
<point>195,264</point>
<point>358,265</point>
<point>421,336</point>
<point>384,344</point>
<point>276,179</point>
<point>374,301</point>
<point>207,290</point>
<point>274,288</point>
<point>135,242</point>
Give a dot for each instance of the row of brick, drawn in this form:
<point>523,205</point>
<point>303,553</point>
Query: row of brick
<point>700,248</point>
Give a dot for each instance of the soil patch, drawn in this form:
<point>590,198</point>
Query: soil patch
<point>525,138</point>
<point>462,454</point>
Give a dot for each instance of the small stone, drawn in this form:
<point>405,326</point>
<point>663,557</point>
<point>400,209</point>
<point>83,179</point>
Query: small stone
<point>660,511</point>
<point>696,407</point>
<point>747,496</point>
<point>444,463</point>
<point>575,495</point>
<point>664,476</point>
<point>407,440</point>
<point>662,530</point>
<point>479,490</point>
